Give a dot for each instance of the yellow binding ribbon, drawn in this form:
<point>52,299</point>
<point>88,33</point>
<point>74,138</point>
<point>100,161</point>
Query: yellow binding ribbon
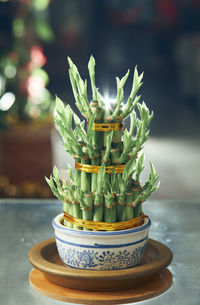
<point>106,226</point>
<point>107,126</point>
<point>87,168</point>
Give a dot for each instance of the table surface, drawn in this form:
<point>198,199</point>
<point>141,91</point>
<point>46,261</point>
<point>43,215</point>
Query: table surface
<point>24,223</point>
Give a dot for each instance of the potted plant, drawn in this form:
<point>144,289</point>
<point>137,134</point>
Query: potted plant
<point>103,226</point>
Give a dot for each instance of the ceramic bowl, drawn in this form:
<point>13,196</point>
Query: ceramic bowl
<point>100,250</point>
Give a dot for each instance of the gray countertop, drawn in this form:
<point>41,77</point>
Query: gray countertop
<point>24,223</point>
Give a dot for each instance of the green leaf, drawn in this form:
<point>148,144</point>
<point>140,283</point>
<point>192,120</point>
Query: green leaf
<point>56,173</point>
<point>124,79</point>
<point>90,126</point>
<point>129,169</point>
<point>99,98</point>
<point>108,146</point>
<point>70,62</point>
<point>91,65</point>
<point>113,180</point>
<point>64,184</point>
<point>133,123</point>
<point>136,81</point>
<point>91,68</point>
<point>76,119</point>
<point>68,114</point>
<point>153,174</point>
<point>59,105</point>
<point>55,191</point>
<point>48,181</point>
<point>70,173</point>
<point>139,166</point>
<point>120,94</point>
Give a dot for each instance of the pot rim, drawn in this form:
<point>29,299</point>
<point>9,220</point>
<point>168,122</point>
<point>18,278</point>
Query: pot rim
<point>56,223</point>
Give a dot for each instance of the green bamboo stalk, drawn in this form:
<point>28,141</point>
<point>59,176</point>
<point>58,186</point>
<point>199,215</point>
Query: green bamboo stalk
<point>89,139</point>
<point>65,207</point>
<point>95,161</point>
<point>70,203</point>
<point>98,115</point>
<point>129,205</point>
<point>85,177</point>
<point>88,209</point>
<point>98,196</point>
<point>138,209</point>
<point>80,198</point>
<point>117,135</point>
<point>70,212</point>
<point>98,207</point>
<point>77,212</point>
<point>77,172</point>
<point>115,155</point>
<point>123,183</point>
<point>107,176</point>
<point>137,191</point>
<point>129,185</point>
<point>105,154</point>
<point>110,208</point>
<point>105,133</point>
<point>121,204</point>
<point>94,138</point>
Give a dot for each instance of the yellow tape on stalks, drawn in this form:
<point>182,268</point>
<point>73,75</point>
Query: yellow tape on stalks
<point>106,226</point>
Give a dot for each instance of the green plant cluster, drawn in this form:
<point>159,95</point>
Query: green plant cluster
<point>100,196</point>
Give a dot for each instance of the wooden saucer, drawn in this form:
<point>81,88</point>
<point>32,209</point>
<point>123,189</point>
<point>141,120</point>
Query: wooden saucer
<point>44,257</point>
<point>160,284</point>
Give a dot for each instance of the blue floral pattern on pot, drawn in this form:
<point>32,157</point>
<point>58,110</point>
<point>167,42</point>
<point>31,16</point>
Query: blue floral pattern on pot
<point>101,260</point>
<point>100,250</point>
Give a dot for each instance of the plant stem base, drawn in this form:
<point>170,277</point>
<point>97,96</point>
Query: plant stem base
<point>157,286</point>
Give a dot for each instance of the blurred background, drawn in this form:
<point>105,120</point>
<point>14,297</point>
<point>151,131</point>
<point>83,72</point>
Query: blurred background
<point>161,37</point>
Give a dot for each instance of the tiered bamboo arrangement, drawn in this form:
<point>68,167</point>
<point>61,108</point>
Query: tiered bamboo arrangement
<point>105,186</point>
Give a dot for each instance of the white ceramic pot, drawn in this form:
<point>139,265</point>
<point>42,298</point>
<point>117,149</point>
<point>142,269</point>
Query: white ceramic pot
<point>100,250</point>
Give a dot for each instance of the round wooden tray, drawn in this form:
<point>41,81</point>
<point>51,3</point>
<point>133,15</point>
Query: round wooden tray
<point>161,282</point>
<point>44,257</point>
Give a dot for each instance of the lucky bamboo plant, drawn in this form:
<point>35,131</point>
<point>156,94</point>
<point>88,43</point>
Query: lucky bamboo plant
<point>105,186</point>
